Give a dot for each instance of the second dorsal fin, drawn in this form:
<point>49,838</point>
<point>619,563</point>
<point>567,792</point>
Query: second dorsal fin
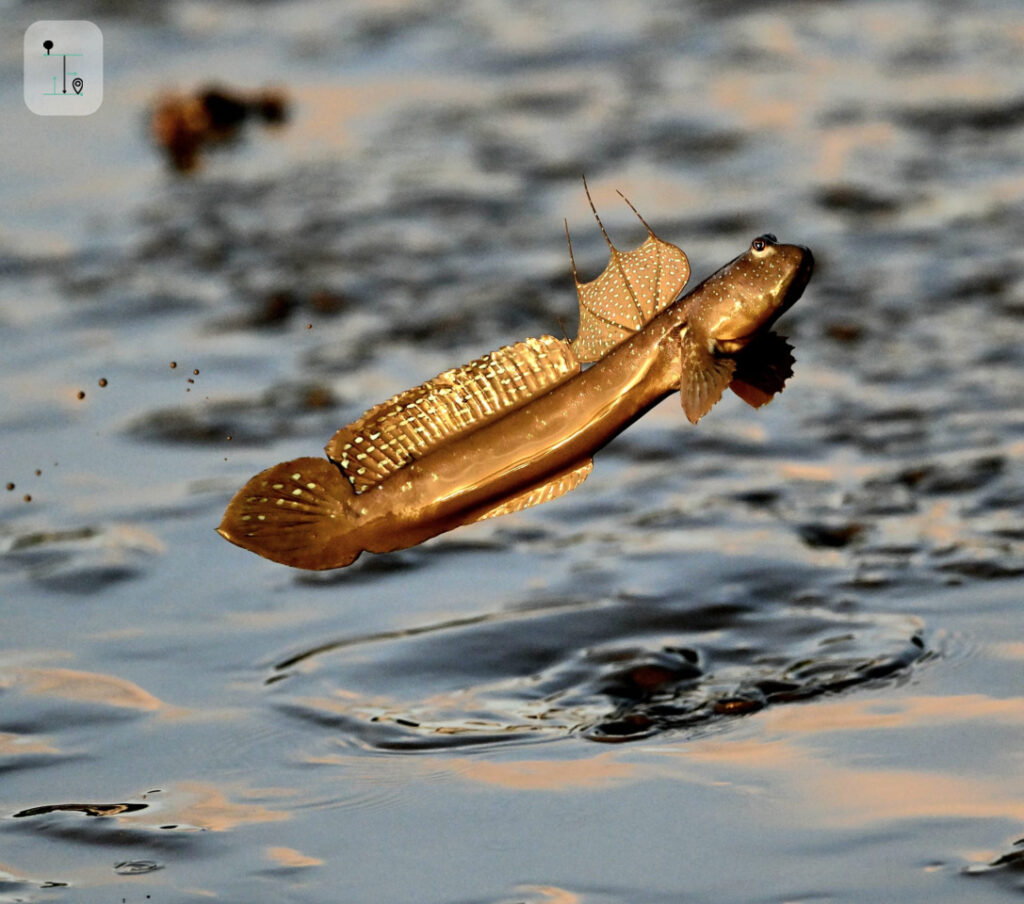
<point>409,425</point>
<point>634,287</point>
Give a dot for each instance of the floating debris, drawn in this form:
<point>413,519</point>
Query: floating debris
<point>184,124</point>
<point>136,867</point>
<point>87,809</point>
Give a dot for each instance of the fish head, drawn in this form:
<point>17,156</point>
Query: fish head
<point>749,294</point>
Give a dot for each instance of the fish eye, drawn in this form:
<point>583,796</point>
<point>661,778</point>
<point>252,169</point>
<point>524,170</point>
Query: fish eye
<point>763,241</point>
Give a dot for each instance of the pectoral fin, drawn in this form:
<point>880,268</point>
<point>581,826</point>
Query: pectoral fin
<point>762,369</point>
<point>703,378</point>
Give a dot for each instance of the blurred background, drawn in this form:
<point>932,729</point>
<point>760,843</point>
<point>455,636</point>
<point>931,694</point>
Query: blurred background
<point>776,657</point>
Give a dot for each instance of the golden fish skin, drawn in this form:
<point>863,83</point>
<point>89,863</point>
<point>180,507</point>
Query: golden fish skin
<point>520,426</point>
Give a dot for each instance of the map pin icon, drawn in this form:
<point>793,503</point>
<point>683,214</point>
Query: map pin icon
<point>78,85</point>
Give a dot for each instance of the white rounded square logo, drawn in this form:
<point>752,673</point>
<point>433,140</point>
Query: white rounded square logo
<point>63,68</point>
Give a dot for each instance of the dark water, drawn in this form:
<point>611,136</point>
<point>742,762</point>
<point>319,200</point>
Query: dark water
<point>773,658</point>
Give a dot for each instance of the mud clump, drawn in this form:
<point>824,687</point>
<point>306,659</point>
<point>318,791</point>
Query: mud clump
<point>184,125</point>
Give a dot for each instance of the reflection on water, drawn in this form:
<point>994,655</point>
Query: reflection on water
<point>179,721</point>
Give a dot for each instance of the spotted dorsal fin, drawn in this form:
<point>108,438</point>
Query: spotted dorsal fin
<point>634,287</point>
<point>408,426</point>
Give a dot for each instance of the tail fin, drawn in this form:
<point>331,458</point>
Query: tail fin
<point>294,513</point>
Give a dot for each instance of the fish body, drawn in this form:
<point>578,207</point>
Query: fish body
<point>520,427</point>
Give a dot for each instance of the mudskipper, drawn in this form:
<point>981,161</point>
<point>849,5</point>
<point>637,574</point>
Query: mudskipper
<point>520,426</point>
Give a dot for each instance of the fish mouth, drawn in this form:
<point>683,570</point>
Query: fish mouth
<point>794,288</point>
<point>799,281</point>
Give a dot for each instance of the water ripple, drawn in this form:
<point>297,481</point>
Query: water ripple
<point>615,670</point>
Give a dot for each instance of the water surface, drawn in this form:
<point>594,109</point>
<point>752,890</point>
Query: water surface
<point>774,657</point>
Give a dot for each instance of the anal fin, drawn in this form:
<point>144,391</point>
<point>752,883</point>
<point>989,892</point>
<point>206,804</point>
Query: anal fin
<point>703,377</point>
<point>539,493</point>
<point>762,369</point>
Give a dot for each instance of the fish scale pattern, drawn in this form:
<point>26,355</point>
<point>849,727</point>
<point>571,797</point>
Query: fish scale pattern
<point>411,424</point>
